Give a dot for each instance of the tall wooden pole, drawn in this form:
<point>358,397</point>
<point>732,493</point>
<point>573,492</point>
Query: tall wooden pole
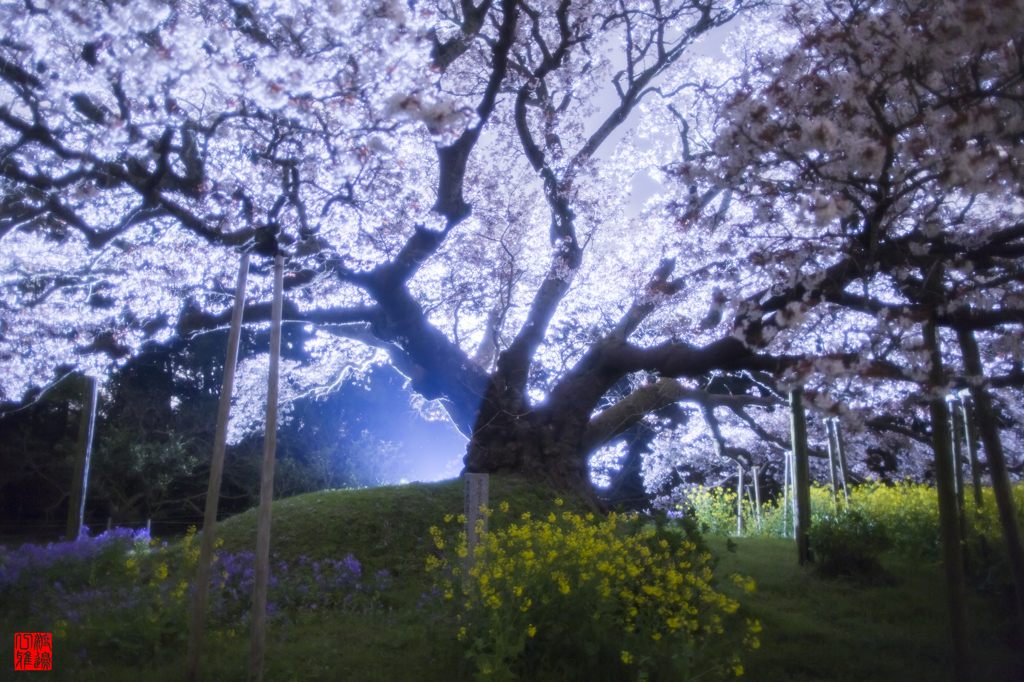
<point>739,501</point>
<point>801,475</point>
<point>787,493</point>
<point>1001,487</point>
<point>83,454</point>
<point>195,633</point>
<point>958,457</point>
<point>832,457</point>
<point>971,439</point>
<point>949,517</point>
<point>757,496</point>
<point>259,601</point>
<point>843,469</point>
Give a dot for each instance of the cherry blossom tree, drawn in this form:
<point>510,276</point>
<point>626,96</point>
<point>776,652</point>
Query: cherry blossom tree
<point>142,143</point>
<point>877,165</point>
<point>458,203</point>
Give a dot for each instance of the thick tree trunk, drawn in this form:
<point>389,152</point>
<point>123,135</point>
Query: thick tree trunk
<point>525,444</point>
<point>949,517</point>
<point>543,441</point>
<point>1001,486</point>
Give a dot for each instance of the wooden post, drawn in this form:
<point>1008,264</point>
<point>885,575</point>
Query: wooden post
<point>1001,486</point>
<point>949,519</point>
<point>958,455</point>
<point>786,494</point>
<point>477,493</point>
<point>739,501</point>
<point>259,601</point>
<point>801,476</point>
<point>83,455</point>
<point>202,585</point>
<point>757,497</point>
<point>843,469</point>
<point>832,457</point>
<point>971,439</point>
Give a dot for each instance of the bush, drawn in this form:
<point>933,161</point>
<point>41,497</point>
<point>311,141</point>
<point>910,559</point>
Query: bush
<point>905,514</point>
<point>580,598</point>
<point>848,544</point>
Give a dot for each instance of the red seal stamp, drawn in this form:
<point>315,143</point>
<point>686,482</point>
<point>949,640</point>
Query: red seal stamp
<point>33,651</point>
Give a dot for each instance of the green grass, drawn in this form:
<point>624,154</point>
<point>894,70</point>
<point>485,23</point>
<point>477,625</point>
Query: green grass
<point>838,630</point>
<point>813,629</point>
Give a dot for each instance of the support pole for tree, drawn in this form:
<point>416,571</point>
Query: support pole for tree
<point>1001,487</point>
<point>202,585</point>
<point>757,496</point>
<point>801,476</point>
<point>259,601</point>
<point>83,454</point>
<point>787,477</point>
<point>843,469</point>
<point>958,456</point>
<point>791,501</point>
<point>832,457</point>
<point>739,501</point>
<point>949,518</point>
<point>971,439</point>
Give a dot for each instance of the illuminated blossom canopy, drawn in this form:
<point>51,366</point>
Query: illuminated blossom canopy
<point>451,186</point>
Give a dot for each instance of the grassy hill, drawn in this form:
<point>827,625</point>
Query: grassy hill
<point>813,629</point>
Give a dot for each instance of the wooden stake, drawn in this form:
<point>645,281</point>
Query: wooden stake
<point>757,497</point>
<point>786,477</point>
<point>843,469</point>
<point>832,457</point>
<point>958,455</point>
<point>83,455</point>
<point>971,439</point>
<point>801,476</point>
<point>259,600</point>
<point>202,585</point>
<point>739,501</point>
